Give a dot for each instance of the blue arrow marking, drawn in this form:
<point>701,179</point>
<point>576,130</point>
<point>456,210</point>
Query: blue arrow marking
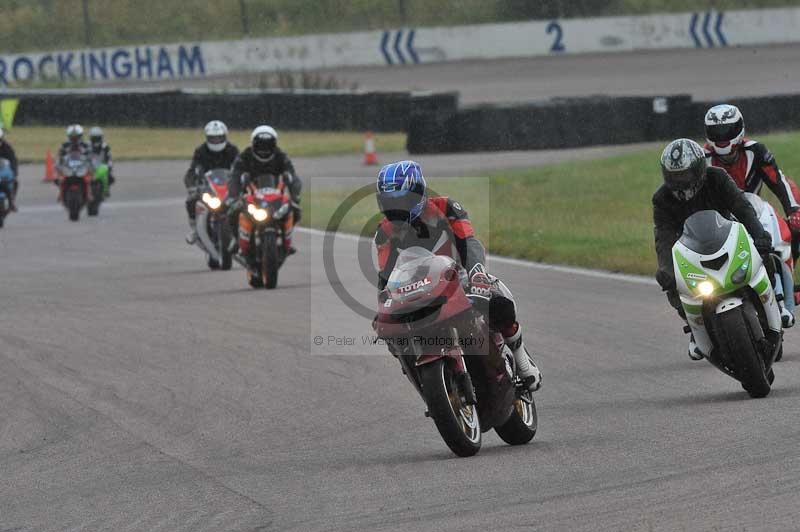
<point>706,20</point>
<point>410,46</point>
<point>397,50</point>
<point>718,29</point>
<point>693,30</point>
<point>384,49</point>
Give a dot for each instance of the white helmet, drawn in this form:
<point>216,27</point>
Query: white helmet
<point>264,140</point>
<point>216,135</point>
<point>724,128</point>
<point>96,136</point>
<point>74,130</point>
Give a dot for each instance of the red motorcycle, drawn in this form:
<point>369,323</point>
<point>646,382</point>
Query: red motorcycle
<point>213,229</point>
<point>75,182</point>
<point>462,370</point>
<point>264,224</point>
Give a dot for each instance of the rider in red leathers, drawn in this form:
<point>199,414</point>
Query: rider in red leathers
<point>749,163</point>
<point>441,225</point>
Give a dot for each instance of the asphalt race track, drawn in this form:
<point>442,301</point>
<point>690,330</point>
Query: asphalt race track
<point>140,391</point>
<point>708,75</point>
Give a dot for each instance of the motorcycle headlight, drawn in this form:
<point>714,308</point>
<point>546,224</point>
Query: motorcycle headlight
<point>705,288</point>
<point>257,213</point>
<point>213,202</point>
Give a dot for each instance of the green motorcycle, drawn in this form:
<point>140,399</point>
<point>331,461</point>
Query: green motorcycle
<point>99,185</point>
<point>730,305</point>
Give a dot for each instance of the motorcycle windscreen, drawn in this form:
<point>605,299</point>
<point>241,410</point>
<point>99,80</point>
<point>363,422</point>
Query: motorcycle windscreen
<point>705,232</point>
<point>416,272</point>
<point>76,164</point>
<point>218,176</point>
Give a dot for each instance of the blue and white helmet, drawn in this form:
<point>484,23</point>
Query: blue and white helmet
<point>401,191</point>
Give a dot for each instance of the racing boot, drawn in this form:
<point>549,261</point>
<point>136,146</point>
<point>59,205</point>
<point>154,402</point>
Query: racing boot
<point>287,243</point>
<point>526,369</point>
<point>787,318</point>
<point>191,238</point>
<point>694,353</point>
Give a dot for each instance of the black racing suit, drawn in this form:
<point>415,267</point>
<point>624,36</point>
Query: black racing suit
<point>719,193</point>
<point>103,150</point>
<point>202,161</point>
<point>444,228</point>
<point>247,168</point>
<point>7,152</point>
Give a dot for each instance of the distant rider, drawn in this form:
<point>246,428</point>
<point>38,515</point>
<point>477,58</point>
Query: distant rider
<point>74,142</point>
<point>263,164</point>
<point>98,146</point>
<point>690,185</point>
<point>412,218</point>
<point>215,152</point>
<point>7,152</point>
<point>748,162</point>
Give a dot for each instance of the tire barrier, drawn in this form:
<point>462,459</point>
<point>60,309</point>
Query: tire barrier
<point>579,122</point>
<point>296,110</point>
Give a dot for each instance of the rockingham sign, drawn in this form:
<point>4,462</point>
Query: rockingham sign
<point>398,47</point>
<point>108,64</point>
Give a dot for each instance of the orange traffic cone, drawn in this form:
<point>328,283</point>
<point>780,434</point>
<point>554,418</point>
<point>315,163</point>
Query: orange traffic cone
<point>370,155</point>
<point>49,168</point>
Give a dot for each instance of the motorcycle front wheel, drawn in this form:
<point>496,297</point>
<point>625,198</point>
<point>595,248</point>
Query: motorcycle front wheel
<point>457,422</point>
<point>740,347</point>
<point>73,203</point>
<point>269,260</point>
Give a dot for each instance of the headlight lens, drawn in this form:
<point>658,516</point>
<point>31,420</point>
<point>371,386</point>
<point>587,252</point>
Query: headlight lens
<point>212,201</point>
<point>705,288</point>
<point>258,214</point>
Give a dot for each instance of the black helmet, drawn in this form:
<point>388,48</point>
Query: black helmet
<point>264,140</point>
<point>683,165</point>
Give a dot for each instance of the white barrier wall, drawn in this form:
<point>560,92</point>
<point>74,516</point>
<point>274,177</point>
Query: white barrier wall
<point>407,46</point>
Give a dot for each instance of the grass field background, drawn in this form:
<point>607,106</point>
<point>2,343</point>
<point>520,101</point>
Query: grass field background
<point>594,214</point>
<point>32,143</point>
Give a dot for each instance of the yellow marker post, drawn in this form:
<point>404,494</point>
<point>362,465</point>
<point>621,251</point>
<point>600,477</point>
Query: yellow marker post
<point>8,108</point>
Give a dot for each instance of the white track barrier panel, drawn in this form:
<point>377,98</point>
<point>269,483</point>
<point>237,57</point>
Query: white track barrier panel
<point>406,46</point>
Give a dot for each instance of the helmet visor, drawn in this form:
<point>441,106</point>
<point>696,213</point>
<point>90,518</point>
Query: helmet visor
<point>724,132</point>
<point>397,206</point>
<point>264,146</point>
<point>216,139</point>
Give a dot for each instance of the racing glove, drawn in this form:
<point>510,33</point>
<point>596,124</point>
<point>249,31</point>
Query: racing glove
<point>794,221</point>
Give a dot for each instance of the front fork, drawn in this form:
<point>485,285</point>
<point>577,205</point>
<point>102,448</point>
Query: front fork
<point>455,356</point>
<point>693,306</point>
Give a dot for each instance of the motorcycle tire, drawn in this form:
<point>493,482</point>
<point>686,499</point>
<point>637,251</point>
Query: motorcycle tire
<point>73,203</point>
<point>224,237</point>
<point>741,349</point>
<point>522,425</point>
<point>254,280</point>
<point>459,425</point>
<point>93,207</point>
<point>213,264</point>
<point>269,260</point>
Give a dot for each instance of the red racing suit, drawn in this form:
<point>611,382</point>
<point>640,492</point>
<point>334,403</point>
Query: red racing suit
<point>443,228</point>
<point>755,167</point>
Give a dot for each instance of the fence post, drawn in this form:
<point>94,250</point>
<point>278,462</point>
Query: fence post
<point>243,13</point>
<point>87,24</point>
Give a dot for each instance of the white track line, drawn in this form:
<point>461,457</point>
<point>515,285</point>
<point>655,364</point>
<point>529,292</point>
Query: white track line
<point>570,270</point>
<point>585,272</point>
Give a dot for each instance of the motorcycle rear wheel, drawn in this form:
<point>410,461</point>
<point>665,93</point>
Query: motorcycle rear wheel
<point>522,425</point>
<point>740,347</point>
<point>457,423</point>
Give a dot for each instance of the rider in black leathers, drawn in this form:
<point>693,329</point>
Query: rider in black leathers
<point>263,164</point>
<point>215,152</point>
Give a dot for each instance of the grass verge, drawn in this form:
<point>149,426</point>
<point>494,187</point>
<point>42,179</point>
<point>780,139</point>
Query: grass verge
<point>593,214</point>
<point>31,143</point>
